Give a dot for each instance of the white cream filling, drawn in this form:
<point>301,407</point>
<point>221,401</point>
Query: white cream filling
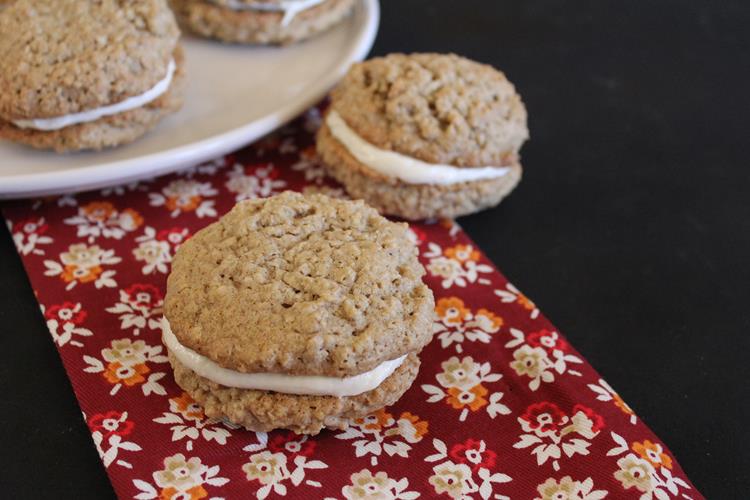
<point>405,168</point>
<point>58,122</point>
<point>314,385</point>
<point>290,8</point>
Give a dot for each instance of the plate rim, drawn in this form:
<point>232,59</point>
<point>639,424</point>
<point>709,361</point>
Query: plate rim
<point>171,160</point>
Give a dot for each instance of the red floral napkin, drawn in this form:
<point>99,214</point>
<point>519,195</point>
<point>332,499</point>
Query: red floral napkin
<point>503,406</point>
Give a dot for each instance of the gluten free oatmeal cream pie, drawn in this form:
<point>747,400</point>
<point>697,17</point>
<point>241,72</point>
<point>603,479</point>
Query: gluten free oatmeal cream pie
<point>297,312</point>
<point>81,75</point>
<point>424,135</point>
<point>261,21</point>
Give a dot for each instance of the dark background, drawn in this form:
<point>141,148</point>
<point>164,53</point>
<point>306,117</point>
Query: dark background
<point>631,228</point>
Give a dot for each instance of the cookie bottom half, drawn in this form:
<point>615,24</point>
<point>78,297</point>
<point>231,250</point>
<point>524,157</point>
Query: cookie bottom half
<point>210,20</point>
<point>109,131</point>
<point>263,411</point>
<point>411,201</point>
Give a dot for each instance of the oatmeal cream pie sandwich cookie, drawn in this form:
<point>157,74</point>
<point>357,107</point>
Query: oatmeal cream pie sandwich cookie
<point>424,135</point>
<point>297,312</point>
<point>87,75</point>
<point>260,21</point>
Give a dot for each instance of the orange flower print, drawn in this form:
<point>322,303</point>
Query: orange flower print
<point>493,319</point>
<point>452,311</point>
<point>653,453</point>
<point>511,294</point>
<point>375,421</point>
<point>410,427</point>
<point>99,211</point>
<point>456,323</point>
<point>187,407</point>
<point>462,253</point>
<point>473,398</point>
<point>194,493</point>
<point>186,195</point>
<point>131,219</point>
<point>83,274</point>
<point>525,302</point>
<point>622,405</point>
<point>101,218</point>
<point>116,373</point>
<point>183,203</point>
<point>82,263</point>
<point>182,478</point>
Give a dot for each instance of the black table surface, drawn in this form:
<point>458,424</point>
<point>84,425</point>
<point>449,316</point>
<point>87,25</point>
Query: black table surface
<point>631,228</point>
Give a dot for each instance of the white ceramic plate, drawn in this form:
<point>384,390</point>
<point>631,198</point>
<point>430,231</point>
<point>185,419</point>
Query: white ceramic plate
<point>234,95</point>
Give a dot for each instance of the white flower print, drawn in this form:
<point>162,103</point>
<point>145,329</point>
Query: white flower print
<point>271,469</point>
<point>568,489</point>
<point>154,254</point>
<point>101,219</point>
<point>604,392</point>
<point>254,181</point>
<point>64,321</point>
<point>457,265</point>
<point>366,485</point>
<point>29,235</point>
<point>123,189</point>
<point>463,388</point>
<point>288,145</point>
<point>128,365</point>
<point>511,295</point>
<point>109,431</point>
<point>454,476</point>
<point>84,264</point>
<point>182,478</point>
<point>67,200</point>
<point>189,423</point>
<point>456,323</point>
<point>648,470</point>
<point>275,142</point>
<point>541,355</point>
<point>380,433</point>
<point>207,168</point>
<point>309,164</point>
<point>139,307</point>
<point>552,432</point>
<point>453,480</point>
<point>636,472</point>
<point>184,196</point>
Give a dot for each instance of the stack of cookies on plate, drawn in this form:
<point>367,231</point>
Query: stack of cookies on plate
<point>87,75</point>
<point>82,75</point>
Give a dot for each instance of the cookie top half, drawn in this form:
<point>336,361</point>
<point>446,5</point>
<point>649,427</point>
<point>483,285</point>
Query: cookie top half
<point>302,285</point>
<point>439,108</point>
<point>66,56</point>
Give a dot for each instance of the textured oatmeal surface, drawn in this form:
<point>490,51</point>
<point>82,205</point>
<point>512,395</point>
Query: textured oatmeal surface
<point>109,131</point>
<point>211,19</point>
<point>301,285</point>
<point>440,108</point>
<point>66,56</point>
